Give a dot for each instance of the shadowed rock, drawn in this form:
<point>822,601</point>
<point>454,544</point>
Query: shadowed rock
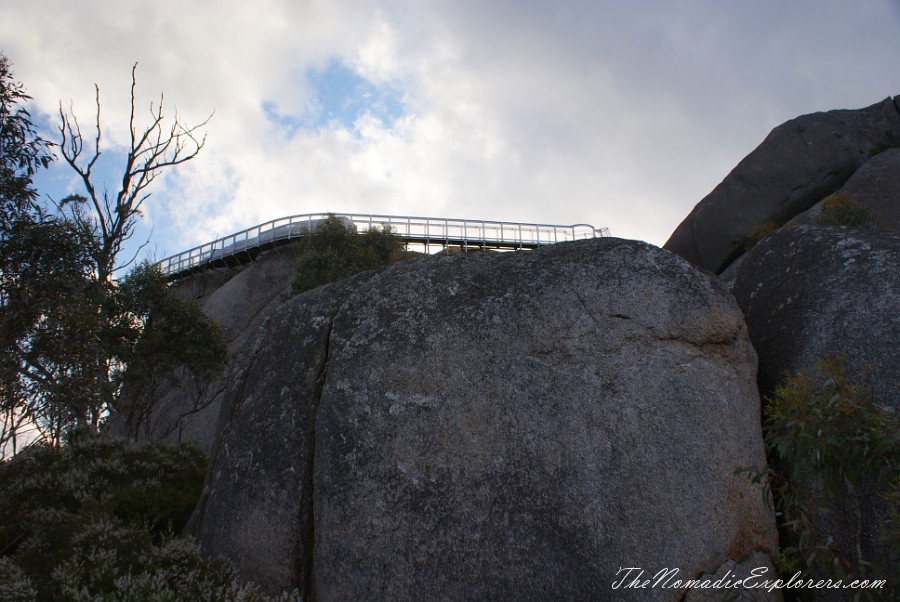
<point>239,300</point>
<point>257,505</point>
<point>807,290</point>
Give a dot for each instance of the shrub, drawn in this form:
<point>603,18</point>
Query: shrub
<point>840,209</point>
<point>99,520</point>
<point>150,485</point>
<point>831,446</point>
<point>333,251</point>
<point>108,567</point>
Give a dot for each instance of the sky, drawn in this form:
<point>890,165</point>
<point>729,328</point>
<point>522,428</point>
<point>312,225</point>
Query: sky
<point>616,114</point>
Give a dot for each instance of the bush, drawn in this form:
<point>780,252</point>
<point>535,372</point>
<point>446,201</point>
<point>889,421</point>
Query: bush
<point>840,209</point>
<point>100,520</point>
<point>112,562</point>
<point>151,485</point>
<point>107,566</point>
<point>333,251</point>
<point>831,447</point>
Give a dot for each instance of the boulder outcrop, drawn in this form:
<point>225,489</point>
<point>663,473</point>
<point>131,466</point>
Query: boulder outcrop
<point>798,164</point>
<point>807,291</point>
<point>493,426</point>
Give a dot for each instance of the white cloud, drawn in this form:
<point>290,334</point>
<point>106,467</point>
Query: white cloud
<point>618,114</point>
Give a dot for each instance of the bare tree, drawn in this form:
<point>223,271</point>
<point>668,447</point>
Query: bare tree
<point>71,336</point>
<point>161,145</point>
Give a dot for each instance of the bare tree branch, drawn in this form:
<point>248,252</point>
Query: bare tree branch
<point>72,335</point>
<point>153,149</point>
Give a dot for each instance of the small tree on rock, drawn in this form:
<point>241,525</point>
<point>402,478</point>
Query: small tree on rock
<point>333,251</point>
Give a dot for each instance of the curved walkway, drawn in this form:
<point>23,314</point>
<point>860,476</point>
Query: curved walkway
<point>428,233</point>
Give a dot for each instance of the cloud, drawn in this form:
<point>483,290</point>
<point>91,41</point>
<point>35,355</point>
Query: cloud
<point>617,114</point>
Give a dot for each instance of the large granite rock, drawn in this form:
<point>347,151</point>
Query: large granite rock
<point>493,426</point>
<point>808,290</point>
<point>798,164</point>
<point>244,301</point>
<point>811,290</point>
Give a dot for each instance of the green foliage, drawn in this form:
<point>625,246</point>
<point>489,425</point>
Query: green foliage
<point>46,263</point>
<point>166,338</point>
<point>151,485</point>
<point>840,209</point>
<point>99,520</point>
<point>104,568</point>
<point>22,151</point>
<point>831,446</point>
<point>50,327</point>
<point>334,251</point>
<point>75,348</point>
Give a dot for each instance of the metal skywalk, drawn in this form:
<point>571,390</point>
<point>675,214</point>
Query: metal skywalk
<point>425,233</point>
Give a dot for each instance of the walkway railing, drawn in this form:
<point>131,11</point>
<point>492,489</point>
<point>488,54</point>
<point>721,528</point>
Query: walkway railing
<point>429,233</point>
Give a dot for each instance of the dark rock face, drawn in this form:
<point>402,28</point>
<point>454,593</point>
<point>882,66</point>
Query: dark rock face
<point>807,290</point>
<point>493,426</point>
<point>239,306</point>
<point>257,507</point>
<point>876,186</point>
<point>798,164</point>
<point>810,290</point>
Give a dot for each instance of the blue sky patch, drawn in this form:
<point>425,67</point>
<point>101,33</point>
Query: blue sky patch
<point>340,96</point>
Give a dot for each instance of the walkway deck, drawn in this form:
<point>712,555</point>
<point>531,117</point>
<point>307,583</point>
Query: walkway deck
<point>426,233</point>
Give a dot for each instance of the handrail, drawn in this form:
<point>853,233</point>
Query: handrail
<point>427,231</point>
